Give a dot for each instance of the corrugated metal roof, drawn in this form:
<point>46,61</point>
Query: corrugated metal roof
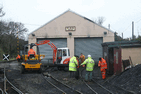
<point>122,44</point>
<point>119,42</point>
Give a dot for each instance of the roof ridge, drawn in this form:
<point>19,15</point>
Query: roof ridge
<point>74,13</point>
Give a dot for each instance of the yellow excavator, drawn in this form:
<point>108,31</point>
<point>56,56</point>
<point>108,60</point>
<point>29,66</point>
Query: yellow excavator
<point>31,62</point>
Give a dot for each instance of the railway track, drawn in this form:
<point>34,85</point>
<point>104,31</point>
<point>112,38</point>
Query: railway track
<point>105,88</point>
<point>8,87</point>
<point>93,86</point>
<point>65,89</point>
<point>11,88</point>
<point>1,91</point>
<point>46,83</point>
<point>41,84</point>
<point>97,88</point>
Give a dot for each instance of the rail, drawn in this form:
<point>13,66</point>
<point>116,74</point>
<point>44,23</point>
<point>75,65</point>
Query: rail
<point>76,91</point>
<point>97,84</point>
<point>13,87</point>
<point>90,87</point>
<point>67,85</point>
<point>102,87</point>
<point>55,86</point>
<point>1,91</point>
<point>111,85</point>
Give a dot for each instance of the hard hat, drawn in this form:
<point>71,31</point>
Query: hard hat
<point>89,55</point>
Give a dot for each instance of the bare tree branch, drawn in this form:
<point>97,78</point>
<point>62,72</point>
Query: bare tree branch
<point>1,12</point>
<point>100,20</point>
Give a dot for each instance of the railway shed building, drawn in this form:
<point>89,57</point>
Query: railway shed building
<point>78,33</point>
<point>117,52</point>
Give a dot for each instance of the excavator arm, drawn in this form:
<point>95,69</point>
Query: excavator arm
<point>51,45</point>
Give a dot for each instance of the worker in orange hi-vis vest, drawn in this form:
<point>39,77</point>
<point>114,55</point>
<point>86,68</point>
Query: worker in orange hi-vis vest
<point>18,58</point>
<point>103,66</point>
<point>31,51</point>
<point>82,58</point>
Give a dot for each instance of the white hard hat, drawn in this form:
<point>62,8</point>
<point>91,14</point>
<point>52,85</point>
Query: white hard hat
<point>89,55</point>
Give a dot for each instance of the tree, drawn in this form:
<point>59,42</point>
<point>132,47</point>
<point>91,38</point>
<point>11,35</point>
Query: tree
<point>8,36</point>
<point>1,12</point>
<point>138,38</point>
<point>17,28</point>
<point>100,20</point>
<point>118,38</point>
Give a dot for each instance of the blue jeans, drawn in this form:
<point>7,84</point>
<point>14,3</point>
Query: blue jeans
<point>88,75</point>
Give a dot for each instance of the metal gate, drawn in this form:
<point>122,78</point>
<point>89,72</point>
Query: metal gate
<point>90,46</point>
<point>47,50</point>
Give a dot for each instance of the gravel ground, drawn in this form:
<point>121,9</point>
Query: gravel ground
<point>31,83</point>
<point>9,90</point>
<point>63,76</point>
<point>34,83</point>
<point>129,79</point>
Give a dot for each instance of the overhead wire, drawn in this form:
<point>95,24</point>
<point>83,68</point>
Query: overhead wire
<point>130,25</point>
<point>138,21</point>
<point>126,28</point>
<point>137,26</point>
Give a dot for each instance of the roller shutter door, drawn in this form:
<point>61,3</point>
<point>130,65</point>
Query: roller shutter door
<point>90,46</point>
<point>47,50</point>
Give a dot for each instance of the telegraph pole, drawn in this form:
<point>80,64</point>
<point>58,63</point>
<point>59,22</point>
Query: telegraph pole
<point>132,30</point>
<point>109,26</point>
<point>122,35</point>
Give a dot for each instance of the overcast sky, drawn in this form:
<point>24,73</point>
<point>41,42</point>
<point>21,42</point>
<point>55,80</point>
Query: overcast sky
<point>35,13</point>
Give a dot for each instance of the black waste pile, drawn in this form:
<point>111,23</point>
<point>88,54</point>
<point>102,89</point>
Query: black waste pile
<point>130,79</point>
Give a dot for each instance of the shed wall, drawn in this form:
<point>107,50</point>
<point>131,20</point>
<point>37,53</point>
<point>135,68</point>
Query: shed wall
<point>135,54</point>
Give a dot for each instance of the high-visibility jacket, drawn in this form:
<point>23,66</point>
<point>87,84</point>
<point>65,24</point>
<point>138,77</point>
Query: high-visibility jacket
<point>89,64</point>
<point>102,64</point>
<point>82,57</point>
<point>31,51</point>
<point>73,64</point>
<point>18,57</point>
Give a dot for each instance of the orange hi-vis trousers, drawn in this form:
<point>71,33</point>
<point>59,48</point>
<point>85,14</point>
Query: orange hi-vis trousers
<point>103,74</point>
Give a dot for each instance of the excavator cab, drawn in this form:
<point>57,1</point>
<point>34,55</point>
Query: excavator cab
<point>31,62</point>
<point>63,58</point>
<point>59,56</point>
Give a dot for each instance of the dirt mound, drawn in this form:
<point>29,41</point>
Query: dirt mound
<point>129,79</point>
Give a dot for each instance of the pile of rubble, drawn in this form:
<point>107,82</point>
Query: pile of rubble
<point>130,79</point>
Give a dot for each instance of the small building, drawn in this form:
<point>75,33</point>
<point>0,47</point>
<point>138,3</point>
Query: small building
<point>116,52</point>
<point>78,33</point>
